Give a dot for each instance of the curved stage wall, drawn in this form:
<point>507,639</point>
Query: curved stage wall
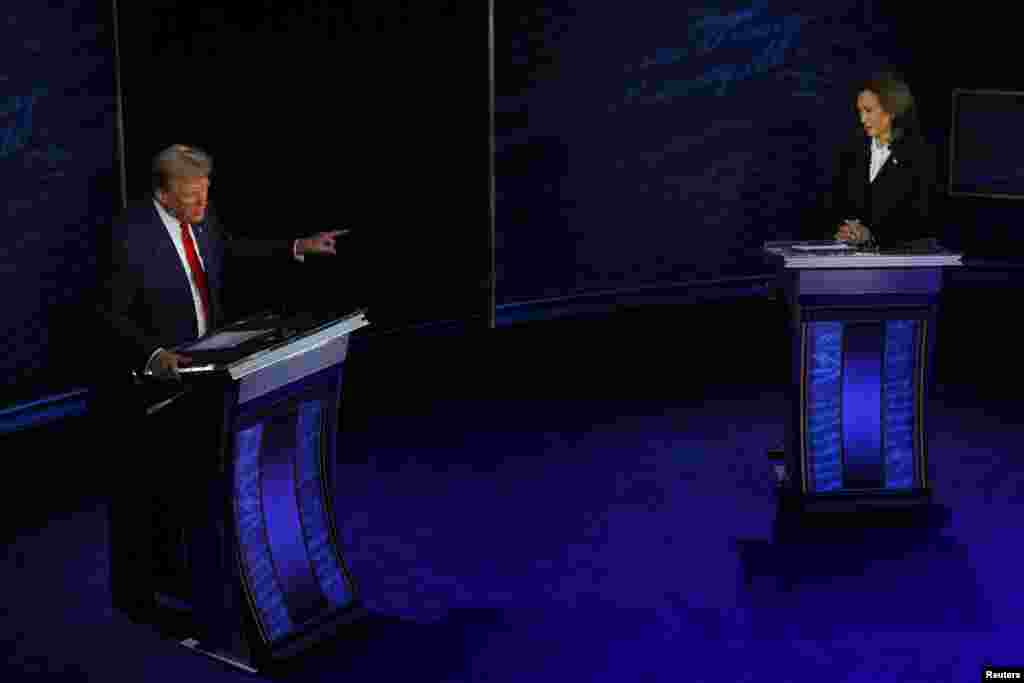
<point>663,144</point>
<point>641,156</point>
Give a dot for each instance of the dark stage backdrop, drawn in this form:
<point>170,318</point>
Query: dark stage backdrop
<point>664,142</point>
<point>648,144</point>
<point>57,114</point>
<point>323,114</point>
<point>970,51</point>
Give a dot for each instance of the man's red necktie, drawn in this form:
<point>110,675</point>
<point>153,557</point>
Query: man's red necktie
<point>197,272</point>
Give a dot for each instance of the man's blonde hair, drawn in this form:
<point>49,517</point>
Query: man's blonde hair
<point>180,161</point>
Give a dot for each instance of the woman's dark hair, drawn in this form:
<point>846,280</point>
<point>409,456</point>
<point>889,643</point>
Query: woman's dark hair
<point>896,99</point>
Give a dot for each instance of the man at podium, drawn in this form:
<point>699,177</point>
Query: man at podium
<point>164,289</point>
<point>166,280</point>
<point>883,187</point>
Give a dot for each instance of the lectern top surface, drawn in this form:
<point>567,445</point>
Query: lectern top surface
<point>264,339</point>
<point>832,254</point>
<point>228,339</point>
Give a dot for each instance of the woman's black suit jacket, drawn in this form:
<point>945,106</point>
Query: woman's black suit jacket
<point>899,205</point>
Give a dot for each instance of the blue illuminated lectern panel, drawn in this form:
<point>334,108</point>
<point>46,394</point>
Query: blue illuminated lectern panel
<point>862,405</point>
<point>291,567</point>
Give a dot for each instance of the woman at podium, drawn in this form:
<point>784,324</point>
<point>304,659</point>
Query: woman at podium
<point>882,188</point>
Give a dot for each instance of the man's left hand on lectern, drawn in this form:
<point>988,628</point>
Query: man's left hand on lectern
<point>165,364</point>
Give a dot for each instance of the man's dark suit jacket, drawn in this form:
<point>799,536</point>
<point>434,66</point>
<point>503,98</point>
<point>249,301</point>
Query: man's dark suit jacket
<point>148,297</point>
<point>899,205</point>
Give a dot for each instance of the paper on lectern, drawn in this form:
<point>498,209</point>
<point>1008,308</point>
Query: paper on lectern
<point>225,340</point>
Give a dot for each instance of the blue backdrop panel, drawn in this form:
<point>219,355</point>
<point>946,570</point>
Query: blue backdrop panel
<point>665,142</point>
<point>57,123</point>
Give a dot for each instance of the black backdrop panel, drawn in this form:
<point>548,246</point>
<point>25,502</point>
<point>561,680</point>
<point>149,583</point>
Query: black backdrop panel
<point>372,116</point>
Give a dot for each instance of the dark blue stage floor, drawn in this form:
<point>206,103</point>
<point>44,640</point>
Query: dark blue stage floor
<point>590,500</point>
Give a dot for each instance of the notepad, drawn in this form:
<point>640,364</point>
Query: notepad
<point>225,340</point>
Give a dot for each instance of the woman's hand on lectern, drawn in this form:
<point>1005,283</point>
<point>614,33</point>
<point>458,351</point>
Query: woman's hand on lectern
<point>852,231</point>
